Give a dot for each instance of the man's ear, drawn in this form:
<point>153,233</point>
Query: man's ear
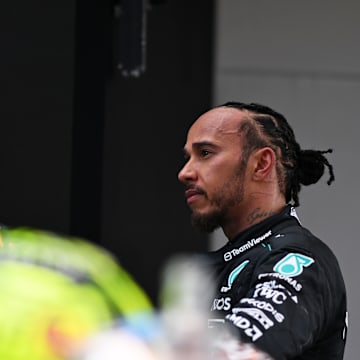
<point>264,162</point>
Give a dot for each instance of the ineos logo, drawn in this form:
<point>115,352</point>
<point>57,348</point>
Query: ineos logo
<point>221,304</point>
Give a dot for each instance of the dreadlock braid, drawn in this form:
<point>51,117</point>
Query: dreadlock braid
<point>296,166</point>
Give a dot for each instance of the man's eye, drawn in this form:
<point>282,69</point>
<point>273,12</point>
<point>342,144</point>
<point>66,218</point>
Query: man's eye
<point>205,153</point>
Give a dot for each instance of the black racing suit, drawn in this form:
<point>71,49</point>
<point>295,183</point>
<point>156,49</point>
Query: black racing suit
<point>282,290</point>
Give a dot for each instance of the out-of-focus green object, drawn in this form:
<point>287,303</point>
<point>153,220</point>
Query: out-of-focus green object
<point>55,291</point>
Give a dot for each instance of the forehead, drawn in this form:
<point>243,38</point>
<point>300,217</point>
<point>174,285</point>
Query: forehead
<point>217,124</point>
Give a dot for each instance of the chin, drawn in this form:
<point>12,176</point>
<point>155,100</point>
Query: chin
<point>206,222</point>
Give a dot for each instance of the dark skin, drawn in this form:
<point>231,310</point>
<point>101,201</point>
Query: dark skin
<point>258,215</point>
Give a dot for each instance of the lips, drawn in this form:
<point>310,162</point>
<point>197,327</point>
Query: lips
<point>192,195</point>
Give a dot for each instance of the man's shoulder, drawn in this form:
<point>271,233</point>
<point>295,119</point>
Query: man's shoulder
<point>295,235</point>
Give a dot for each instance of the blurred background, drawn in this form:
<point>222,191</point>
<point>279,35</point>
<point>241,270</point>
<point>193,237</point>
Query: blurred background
<point>97,96</point>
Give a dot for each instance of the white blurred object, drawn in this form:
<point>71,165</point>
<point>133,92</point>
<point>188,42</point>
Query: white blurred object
<point>116,344</point>
<point>186,295</point>
<point>186,292</point>
<point>227,347</point>
<point>179,331</point>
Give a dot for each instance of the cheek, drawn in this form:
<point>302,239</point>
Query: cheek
<point>219,169</point>
<point>218,175</point>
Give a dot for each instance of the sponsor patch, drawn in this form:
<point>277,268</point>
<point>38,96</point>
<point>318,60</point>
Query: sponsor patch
<point>294,283</point>
<point>266,292</point>
<point>233,275</point>
<point>251,330</point>
<point>221,304</point>
<point>257,314</point>
<point>229,255</point>
<point>293,264</point>
<point>266,306</point>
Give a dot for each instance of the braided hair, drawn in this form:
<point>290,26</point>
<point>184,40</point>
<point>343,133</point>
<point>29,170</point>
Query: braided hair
<point>296,166</point>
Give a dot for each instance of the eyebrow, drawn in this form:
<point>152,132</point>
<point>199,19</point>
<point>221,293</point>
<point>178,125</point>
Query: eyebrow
<point>199,145</point>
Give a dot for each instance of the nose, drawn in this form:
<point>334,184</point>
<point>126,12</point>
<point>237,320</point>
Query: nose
<point>187,173</point>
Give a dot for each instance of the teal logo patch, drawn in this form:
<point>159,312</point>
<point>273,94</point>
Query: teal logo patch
<point>233,275</point>
<point>293,264</point>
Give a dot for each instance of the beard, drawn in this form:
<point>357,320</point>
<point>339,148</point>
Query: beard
<point>207,222</point>
<point>231,193</point>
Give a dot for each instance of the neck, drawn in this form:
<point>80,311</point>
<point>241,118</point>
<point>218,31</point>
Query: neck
<point>249,217</point>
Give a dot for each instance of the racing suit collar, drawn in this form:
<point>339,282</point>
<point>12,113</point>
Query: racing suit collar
<point>255,230</point>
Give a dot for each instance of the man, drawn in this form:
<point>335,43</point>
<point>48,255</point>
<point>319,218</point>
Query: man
<point>278,286</point>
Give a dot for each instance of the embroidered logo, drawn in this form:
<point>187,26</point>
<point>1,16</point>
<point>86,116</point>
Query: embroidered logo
<point>233,275</point>
<point>293,264</point>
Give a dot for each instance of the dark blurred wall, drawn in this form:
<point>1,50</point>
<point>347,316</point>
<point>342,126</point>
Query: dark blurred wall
<point>36,112</point>
<point>145,217</point>
<point>89,152</point>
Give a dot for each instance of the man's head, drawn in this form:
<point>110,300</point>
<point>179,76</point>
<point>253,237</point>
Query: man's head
<point>240,155</point>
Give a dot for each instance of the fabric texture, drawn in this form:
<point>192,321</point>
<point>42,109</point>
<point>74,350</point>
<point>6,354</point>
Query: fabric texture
<point>281,288</point>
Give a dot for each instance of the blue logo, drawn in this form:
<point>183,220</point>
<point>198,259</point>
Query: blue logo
<point>293,264</point>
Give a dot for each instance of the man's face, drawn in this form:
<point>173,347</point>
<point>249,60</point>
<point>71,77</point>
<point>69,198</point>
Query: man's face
<point>214,174</point>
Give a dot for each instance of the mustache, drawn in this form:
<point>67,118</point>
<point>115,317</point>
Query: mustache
<point>198,189</point>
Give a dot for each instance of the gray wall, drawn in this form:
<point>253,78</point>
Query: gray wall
<point>303,59</point>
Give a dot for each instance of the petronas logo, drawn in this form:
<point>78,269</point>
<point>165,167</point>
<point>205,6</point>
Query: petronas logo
<point>293,264</point>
